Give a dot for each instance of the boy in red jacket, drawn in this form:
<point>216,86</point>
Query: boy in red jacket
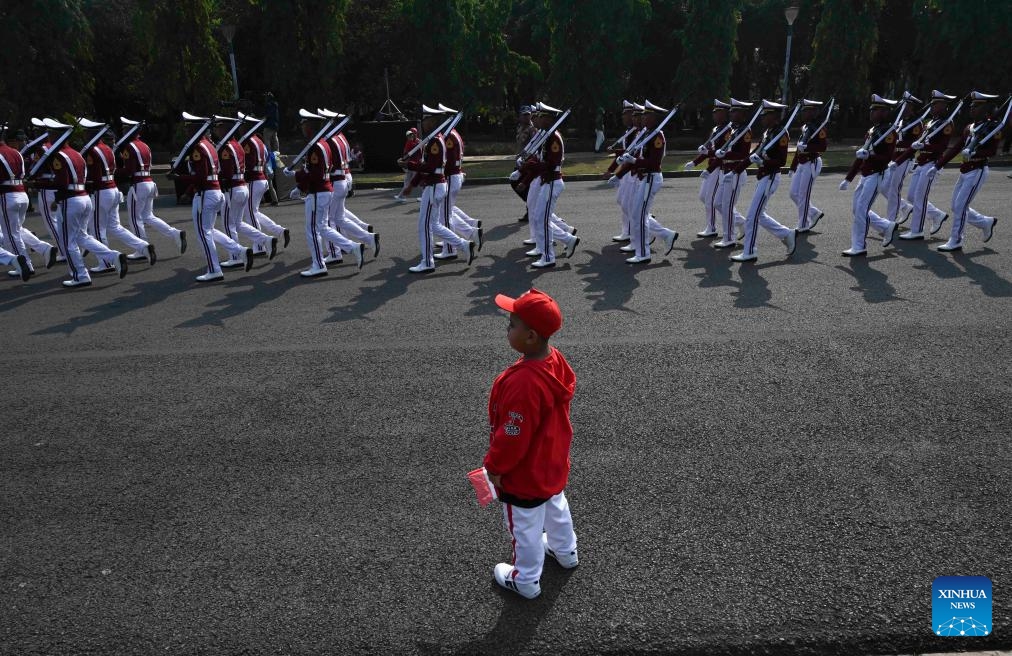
<point>528,458</point>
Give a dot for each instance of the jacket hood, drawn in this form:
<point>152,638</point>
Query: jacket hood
<point>556,373</point>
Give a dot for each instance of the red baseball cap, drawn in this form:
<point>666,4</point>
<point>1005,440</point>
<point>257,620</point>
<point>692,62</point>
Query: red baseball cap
<point>536,309</point>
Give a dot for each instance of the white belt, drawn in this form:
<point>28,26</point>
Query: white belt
<point>75,187</point>
<point>238,176</point>
<point>212,178</point>
<point>142,174</point>
<point>12,183</point>
<point>557,169</point>
<point>257,169</point>
<point>438,171</point>
<point>107,178</point>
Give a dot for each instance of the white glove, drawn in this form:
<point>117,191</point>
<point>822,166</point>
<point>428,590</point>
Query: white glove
<point>688,166</point>
<point>702,150</point>
<point>966,152</point>
<point>729,176</point>
<point>801,147</point>
<point>122,198</point>
<point>704,175</point>
<point>614,181</point>
<point>294,194</point>
<point>844,185</point>
<point>863,154</point>
<point>288,172</point>
<point>790,174</point>
<point>514,176</point>
<point>755,158</point>
<point>721,154</point>
<point>917,145</point>
<point>891,165</point>
<point>626,159</point>
<point>520,161</point>
<point>937,172</point>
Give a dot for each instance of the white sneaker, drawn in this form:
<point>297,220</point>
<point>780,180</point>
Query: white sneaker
<point>910,234</point>
<point>421,268</point>
<point>232,263</point>
<point>854,252</point>
<point>621,238</point>
<point>723,244</point>
<point>707,233</point>
<point>543,263</point>
<point>534,252</point>
<point>745,257</point>
<point>627,249</point>
<point>989,231</point>
<point>359,253</point>
<point>210,276</point>
<point>888,234</point>
<point>638,259</point>
<point>333,259</point>
<point>937,225</point>
<point>816,220</point>
<point>951,246</point>
<point>567,560</point>
<point>503,575</point>
<point>180,238</point>
<point>669,242</point>
<point>313,272</point>
<point>571,247</point>
<point>791,242</point>
<point>529,242</point>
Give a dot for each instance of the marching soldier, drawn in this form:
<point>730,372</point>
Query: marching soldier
<point>46,194</point>
<point>620,148</point>
<point>201,174</point>
<point>232,178</point>
<point>924,152</point>
<point>733,156</point>
<point>105,199</point>
<point>135,172</point>
<point>434,191</point>
<point>980,142</point>
<point>73,207</point>
<point>871,162</point>
<point>807,164</point>
<point>908,131</point>
<point>455,218</point>
<point>255,155</point>
<point>525,132</point>
<point>313,180</point>
<point>645,166</point>
<point>13,207</point>
<point>770,155</point>
<point>710,177</point>
<point>350,232</point>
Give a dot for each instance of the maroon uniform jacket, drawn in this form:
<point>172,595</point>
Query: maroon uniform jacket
<point>255,155</point>
<point>880,155</point>
<point>454,153</point>
<point>431,166</point>
<point>650,156</point>
<point>904,139</point>
<point>713,145</point>
<point>982,154</point>
<point>339,153</point>
<point>620,150</point>
<point>101,167</point>
<point>933,147</point>
<point>315,174</point>
<point>736,159</point>
<point>776,155</point>
<point>815,145</point>
<point>233,165</point>
<point>68,172</point>
<point>549,166</point>
<point>12,170</point>
<point>135,157</point>
<point>202,167</point>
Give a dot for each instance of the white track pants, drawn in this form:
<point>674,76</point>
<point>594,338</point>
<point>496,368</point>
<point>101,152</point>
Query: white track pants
<point>730,186</point>
<point>204,209</point>
<point>864,216</point>
<point>105,222</point>
<point>13,208</point>
<point>72,222</point>
<point>643,225</point>
<point>801,191</point>
<point>525,526</point>
<point>431,215</point>
<point>892,189</point>
<point>708,187</point>
<point>967,186</point>
<point>920,189</point>
<point>336,238</point>
<point>757,216</point>
<point>141,203</point>
<point>252,213</point>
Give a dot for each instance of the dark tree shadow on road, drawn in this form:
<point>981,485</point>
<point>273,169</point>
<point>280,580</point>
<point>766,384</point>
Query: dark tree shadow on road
<point>141,296</point>
<point>874,285</point>
<point>395,280</point>
<point>518,622</point>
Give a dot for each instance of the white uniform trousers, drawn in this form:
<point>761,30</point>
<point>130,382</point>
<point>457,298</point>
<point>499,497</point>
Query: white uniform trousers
<point>731,185</point>
<point>34,244</point>
<point>72,220</point>
<point>644,226</point>
<point>967,186</point>
<point>252,213</point>
<point>757,216</point>
<point>6,257</point>
<point>430,223</point>
<point>140,202</point>
<point>864,216</point>
<point>106,222</point>
<point>525,526</point>
<point>353,218</point>
<point>920,188</point>
<point>45,200</point>
<point>232,212</point>
<point>801,191</point>
<point>892,189</point>
<point>13,208</point>
<point>545,229</point>
<point>454,218</point>
<point>318,231</point>
<point>336,238</point>
<point>709,185</point>
<point>204,209</point>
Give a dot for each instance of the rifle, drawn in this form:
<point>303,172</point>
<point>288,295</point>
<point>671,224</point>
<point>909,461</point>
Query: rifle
<point>903,130</point>
<point>539,139</point>
<point>55,148</point>
<point>975,143</point>
<point>33,143</point>
<point>941,126</point>
<point>135,127</point>
<point>621,139</point>
<point>787,126</point>
<point>803,141</point>
<point>660,126</point>
<point>98,135</point>
<point>451,122</point>
<point>258,123</point>
<point>312,142</point>
<point>177,163</point>
<point>326,113</point>
<point>723,151</point>
<point>892,128</point>
<point>231,131</point>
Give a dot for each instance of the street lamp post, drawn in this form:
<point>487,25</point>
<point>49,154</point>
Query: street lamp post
<point>791,14</point>
<point>228,31</point>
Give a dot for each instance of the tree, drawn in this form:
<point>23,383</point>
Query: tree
<point>711,28</point>
<point>840,66</point>
<point>46,59</point>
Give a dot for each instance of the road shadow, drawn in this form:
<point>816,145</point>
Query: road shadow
<point>989,282</point>
<point>805,250</point>
<point>489,280</point>
<point>931,260</point>
<point>518,621</point>
<point>873,285</point>
<point>141,296</point>
<point>610,280</point>
<point>394,281</point>
<point>711,265</point>
<point>753,291</point>
<point>21,293</point>
<point>266,286</point>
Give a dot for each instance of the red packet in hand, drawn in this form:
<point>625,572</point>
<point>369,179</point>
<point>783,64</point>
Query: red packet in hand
<point>482,486</point>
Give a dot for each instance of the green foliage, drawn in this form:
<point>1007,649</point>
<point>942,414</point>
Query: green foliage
<point>46,59</point>
<point>845,45</point>
<point>711,27</point>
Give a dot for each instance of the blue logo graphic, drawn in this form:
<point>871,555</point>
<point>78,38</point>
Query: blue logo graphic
<point>961,606</point>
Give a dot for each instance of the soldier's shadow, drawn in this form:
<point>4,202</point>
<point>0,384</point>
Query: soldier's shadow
<point>873,285</point>
<point>490,276</point>
<point>394,281</point>
<point>141,296</point>
<point>989,282</point>
<point>712,266</point>
<point>932,261</point>
<point>610,281</point>
<point>268,283</point>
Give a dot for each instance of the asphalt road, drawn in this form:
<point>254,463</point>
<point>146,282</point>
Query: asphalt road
<point>775,458</point>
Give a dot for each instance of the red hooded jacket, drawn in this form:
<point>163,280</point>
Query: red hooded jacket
<point>530,433</point>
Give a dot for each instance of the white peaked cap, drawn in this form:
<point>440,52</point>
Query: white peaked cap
<point>127,121</point>
<point>739,104</point>
<point>937,95</point>
<point>448,110</point>
<point>881,102</point>
<point>226,119</point>
<point>547,109</point>
<point>628,106</point>
<point>770,106</point>
<point>978,97</point>
<point>38,122</point>
<point>811,103</point>
<point>193,118</point>
<point>431,111</point>
<point>89,124</point>
<point>911,97</point>
<point>720,104</point>
<point>305,114</point>
<point>650,107</point>
<point>56,125</point>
